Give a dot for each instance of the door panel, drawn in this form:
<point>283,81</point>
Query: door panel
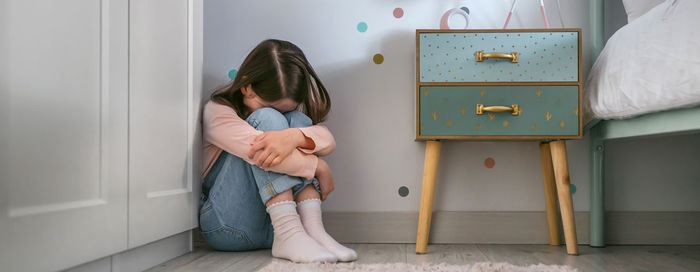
<point>164,87</point>
<point>64,132</point>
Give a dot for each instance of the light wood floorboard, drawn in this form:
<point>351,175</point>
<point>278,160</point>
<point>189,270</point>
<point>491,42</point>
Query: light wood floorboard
<point>379,253</point>
<point>452,254</point>
<point>612,258</point>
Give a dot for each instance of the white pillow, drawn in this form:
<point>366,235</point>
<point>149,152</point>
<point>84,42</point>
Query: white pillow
<point>636,8</point>
<point>651,64</point>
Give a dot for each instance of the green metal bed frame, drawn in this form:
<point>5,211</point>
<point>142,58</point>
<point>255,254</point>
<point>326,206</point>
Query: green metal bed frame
<point>670,122</point>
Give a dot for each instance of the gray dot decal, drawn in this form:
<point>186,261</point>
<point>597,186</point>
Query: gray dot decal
<point>403,191</point>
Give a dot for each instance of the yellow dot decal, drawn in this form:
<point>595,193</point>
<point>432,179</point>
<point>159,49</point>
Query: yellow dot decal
<point>378,58</point>
<point>505,123</point>
<point>449,123</point>
<point>562,124</point>
<point>464,110</point>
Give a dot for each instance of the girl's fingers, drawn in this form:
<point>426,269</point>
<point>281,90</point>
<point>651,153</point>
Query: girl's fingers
<point>276,161</point>
<point>257,138</point>
<point>256,145</point>
<point>262,157</point>
<point>267,163</point>
<point>260,137</point>
<point>325,191</point>
<point>254,149</point>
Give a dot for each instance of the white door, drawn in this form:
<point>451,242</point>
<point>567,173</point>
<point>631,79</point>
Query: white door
<point>63,132</point>
<point>165,77</point>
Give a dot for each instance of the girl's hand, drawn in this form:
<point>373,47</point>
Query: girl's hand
<point>272,147</point>
<point>325,178</point>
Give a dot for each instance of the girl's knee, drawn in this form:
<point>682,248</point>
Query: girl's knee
<point>297,119</point>
<point>267,119</point>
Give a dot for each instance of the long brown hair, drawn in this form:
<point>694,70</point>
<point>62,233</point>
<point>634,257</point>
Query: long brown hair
<point>277,69</point>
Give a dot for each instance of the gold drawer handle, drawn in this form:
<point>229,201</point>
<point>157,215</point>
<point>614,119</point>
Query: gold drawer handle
<point>514,109</point>
<point>480,56</point>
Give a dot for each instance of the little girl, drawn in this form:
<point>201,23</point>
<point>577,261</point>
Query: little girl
<point>263,179</point>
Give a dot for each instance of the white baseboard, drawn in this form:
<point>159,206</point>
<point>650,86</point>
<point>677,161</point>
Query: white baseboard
<point>622,228</point>
<point>668,228</point>
<point>143,257</point>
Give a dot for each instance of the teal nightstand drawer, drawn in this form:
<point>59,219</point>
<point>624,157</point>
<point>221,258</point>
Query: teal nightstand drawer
<point>451,111</point>
<point>550,55</point>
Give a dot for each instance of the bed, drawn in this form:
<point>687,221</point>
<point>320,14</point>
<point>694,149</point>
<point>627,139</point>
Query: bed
<point>652,114</point>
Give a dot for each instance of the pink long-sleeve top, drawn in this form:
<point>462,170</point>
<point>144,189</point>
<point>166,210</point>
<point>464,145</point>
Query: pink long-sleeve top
<point>224,130</point>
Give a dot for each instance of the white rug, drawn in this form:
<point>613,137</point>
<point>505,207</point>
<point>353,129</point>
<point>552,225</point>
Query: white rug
<point>285,266</point>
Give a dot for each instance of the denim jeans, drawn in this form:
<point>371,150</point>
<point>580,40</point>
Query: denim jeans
<point>232,216</point>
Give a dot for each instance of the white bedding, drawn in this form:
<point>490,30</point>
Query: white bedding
<point>651,64</point>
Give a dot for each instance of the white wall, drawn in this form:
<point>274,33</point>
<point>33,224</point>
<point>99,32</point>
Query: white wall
<point>373,109</point>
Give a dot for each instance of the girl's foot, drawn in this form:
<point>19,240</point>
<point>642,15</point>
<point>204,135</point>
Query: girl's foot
<point>291,241</point>
<point>310,212</point>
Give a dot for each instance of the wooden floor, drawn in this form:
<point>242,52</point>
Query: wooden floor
<point>612,258</point>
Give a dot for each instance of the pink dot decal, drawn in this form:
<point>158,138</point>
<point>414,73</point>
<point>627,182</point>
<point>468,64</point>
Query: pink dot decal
<point>489,162</point>
<point>398,12</point>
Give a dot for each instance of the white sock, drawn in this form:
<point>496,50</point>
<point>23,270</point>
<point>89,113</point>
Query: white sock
<point>291,241</point>
<point>310,212</point>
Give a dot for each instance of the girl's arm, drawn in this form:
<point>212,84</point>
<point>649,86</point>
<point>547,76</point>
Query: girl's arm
<point>272,147</point>
<point>225,129</point>
<point>310,140</point>
<point>322,140</point>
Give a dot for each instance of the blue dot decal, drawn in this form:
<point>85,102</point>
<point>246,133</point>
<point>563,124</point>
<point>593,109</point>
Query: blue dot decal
<point>362,27</point>
<point>573,189</point>
<point>232,74</point>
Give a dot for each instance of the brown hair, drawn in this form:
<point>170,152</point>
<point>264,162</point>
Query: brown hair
<point>277,69</point>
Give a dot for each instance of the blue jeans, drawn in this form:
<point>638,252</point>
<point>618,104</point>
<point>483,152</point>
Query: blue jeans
<point>232,216</point>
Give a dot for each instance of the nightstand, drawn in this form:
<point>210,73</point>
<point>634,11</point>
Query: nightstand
<point>501,85</point>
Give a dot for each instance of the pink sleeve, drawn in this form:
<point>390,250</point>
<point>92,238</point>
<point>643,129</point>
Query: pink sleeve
<point>322,137</point>
<point>226,130</point>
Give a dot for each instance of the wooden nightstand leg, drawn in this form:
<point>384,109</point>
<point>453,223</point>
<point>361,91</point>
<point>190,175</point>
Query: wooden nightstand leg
<point>432,158</point>
<point>550,195</point>
<point>561,172</point>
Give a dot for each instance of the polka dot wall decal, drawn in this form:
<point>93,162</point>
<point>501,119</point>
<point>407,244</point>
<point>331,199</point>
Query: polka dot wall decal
<point>489,162</point>
<point>403,191</point>
<point>398,13</point>
<point>362,26</point>
<point>232,74</point>
<point>378,58</point>
<point>573,189</point>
